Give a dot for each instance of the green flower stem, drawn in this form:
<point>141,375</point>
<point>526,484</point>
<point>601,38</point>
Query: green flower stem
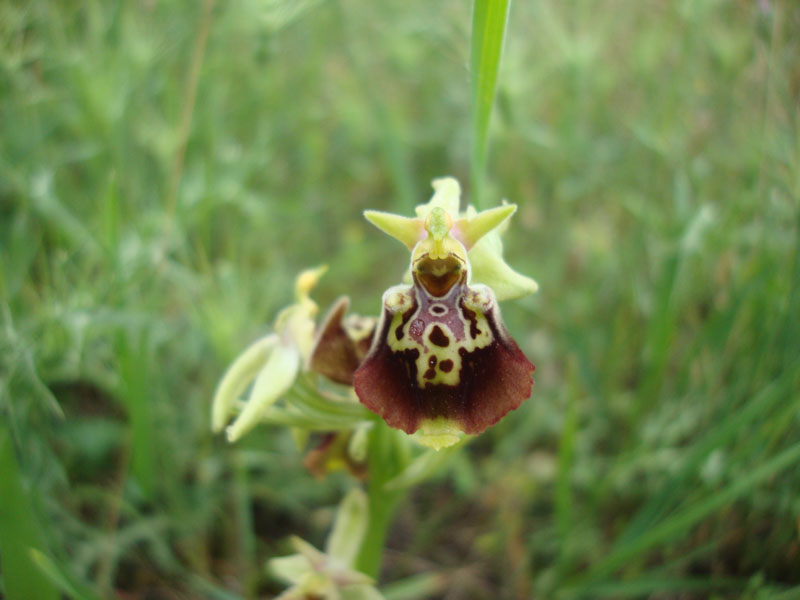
<point>386,459</point>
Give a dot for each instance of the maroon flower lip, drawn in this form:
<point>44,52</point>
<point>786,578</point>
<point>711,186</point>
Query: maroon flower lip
<point>442,357</point>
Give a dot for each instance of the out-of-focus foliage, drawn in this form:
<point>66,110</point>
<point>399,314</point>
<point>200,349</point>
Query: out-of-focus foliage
<point>167,167</point>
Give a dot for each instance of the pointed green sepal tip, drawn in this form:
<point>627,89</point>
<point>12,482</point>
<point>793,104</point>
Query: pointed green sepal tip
<point>470,230</point>
<point>408,231</point>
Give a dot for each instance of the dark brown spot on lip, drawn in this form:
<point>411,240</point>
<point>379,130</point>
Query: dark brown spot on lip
<point>472,317</point>
<point>438,337</point>
<point>431,372</point>
<point>406,316</point>
<point>438,309</point>
<point>446,365</point>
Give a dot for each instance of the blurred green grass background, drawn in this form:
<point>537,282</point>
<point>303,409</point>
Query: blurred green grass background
<point>166,168</point>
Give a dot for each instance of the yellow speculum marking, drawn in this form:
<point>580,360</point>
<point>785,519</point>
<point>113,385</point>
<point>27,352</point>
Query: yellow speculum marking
<point>438,363</point>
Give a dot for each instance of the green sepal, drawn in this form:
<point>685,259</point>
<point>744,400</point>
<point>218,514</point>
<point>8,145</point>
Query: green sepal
<point>272,382</point>
<point>469,230</point>
<point>405,229</point>
<point>490,268</point>
<point>236,379</point>
<point>446,195</point>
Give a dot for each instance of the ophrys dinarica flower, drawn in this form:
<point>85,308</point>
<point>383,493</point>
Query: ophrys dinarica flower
<point>441,360</point>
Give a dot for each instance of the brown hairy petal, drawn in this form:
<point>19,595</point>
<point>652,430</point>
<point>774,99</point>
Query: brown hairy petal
<point>336,355</point>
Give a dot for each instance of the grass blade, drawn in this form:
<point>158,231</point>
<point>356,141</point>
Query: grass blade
<point>566,457</point>
<point>489,19</point>
<point>134,375</point>
<point>60,577</point>
<point>659,504</point>
<point>642,587</point>
<point>19,532</point>
<point>683,520</point>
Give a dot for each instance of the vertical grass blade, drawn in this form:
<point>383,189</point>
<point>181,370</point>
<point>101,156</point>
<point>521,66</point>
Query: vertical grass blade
<point>61,578</point>
<point>19,532</point>
<point>134,377</point>
<point>489,20</point>
<point>566,457</point>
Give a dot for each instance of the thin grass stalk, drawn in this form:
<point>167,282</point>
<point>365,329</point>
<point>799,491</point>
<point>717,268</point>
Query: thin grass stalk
<point>489,20</point>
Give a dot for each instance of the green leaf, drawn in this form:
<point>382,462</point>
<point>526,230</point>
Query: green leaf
<point>489,19</point>
<point>62,578</point>
<point>19,532</point>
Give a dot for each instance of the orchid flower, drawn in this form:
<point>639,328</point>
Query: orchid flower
<point>441,360</point>
<point>330,575</point>
<point>271,364</point>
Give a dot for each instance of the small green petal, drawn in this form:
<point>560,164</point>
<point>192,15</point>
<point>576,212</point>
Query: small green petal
<point>316,559</point>
<point>237,378</point>
<point>407,230</point>
<point>271,383</point>
<point>289,568</point>
<point>329,567</point>
<point>349,528</point>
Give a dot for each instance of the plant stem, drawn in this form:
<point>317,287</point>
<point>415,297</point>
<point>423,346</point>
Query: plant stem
<point>385,461</point>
